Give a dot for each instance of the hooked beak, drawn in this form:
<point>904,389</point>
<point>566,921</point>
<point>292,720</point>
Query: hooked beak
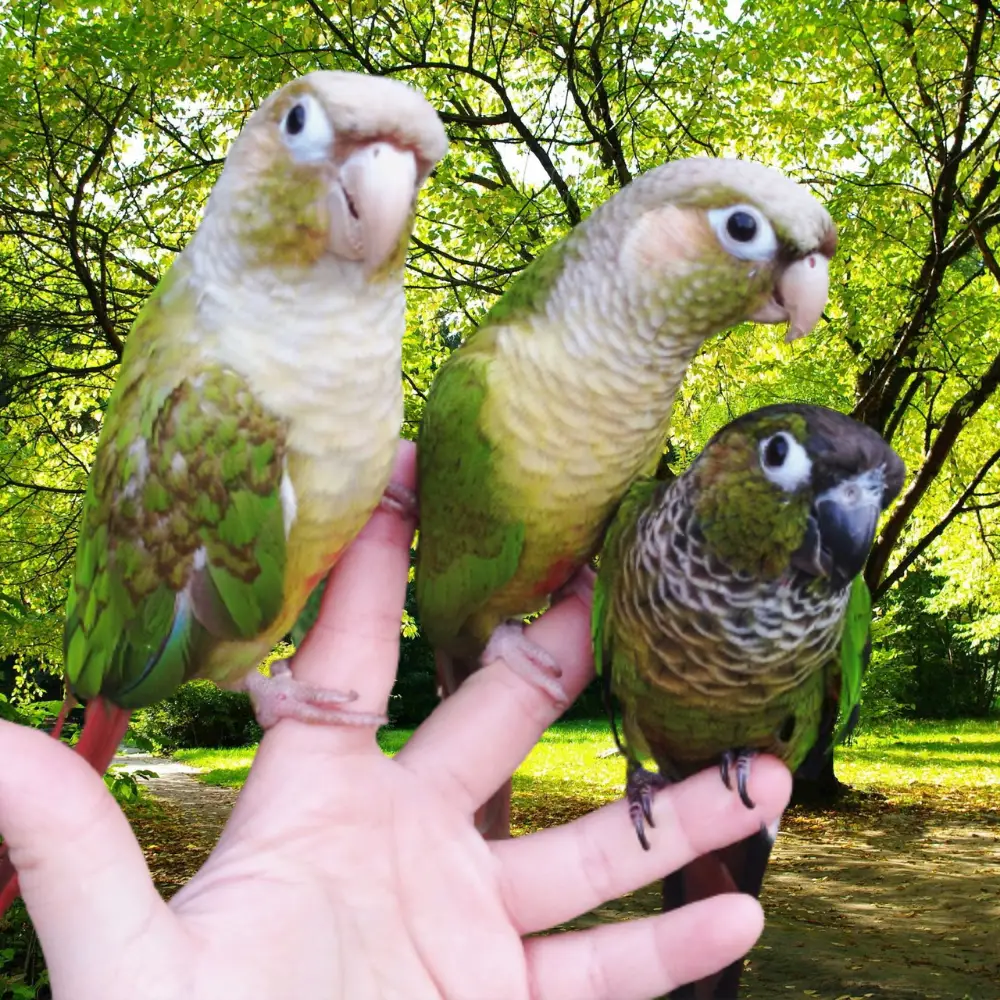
<point>841,529</point>
<point>372,202</point>
<point>799,296</point>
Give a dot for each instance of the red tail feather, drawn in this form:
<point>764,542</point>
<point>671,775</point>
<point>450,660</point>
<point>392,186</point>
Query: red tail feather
<point>104,726</point>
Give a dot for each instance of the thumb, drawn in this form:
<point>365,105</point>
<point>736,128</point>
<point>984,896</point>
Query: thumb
<point>82,873</point>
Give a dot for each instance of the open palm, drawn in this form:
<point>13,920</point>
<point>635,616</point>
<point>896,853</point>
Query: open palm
<point>344,875</point>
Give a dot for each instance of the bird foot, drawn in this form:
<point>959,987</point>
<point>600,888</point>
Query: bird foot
<point>399,500</point>
<point>640,787</point>
<point>281,696</point>
<point>740,761</point>
<point>527,659</point>
<point>580,584</point>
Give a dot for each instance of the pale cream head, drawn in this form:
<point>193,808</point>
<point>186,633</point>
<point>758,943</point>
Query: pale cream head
<point>331,164</point>
<point>735,225</point>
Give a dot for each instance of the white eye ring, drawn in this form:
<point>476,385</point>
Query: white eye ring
<point>744,232</point>
<point>784,461</point>
<point>307,131</point>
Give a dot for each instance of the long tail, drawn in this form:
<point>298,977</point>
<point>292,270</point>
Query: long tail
<point>739,867</point>
<point>104,726</point>
<point>493,817</point>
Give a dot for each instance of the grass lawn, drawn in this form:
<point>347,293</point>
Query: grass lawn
<point>959,754</point>
<point>564,776</point>
<point>894,894</point>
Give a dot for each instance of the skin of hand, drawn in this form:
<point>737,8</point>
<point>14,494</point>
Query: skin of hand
<point>346,874</point>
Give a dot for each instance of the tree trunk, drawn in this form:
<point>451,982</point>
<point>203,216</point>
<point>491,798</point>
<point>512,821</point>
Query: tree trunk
<point>824,789</point>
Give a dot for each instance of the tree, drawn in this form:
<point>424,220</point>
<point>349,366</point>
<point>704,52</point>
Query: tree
<point>887,109</point>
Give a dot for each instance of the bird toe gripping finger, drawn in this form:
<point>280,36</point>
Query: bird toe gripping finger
<point>281,696</point>
<point>639,790</point>
<point>527,659</point>
<point>738,760</point>
<point>399,500</point>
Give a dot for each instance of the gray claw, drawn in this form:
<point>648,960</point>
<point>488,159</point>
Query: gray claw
<point>740,760</point>
<point>743,776</point>
<point>639,790</point>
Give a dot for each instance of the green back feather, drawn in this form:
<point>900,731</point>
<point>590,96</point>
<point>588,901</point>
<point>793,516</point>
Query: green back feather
<point>182,542</point>
<point>468,545</point>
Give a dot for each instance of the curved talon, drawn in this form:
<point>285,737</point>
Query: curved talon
<point>724,762</point>
<point>647,805</point>
<point>640,831</point>
<point>640,787</point>
<point>743,776</point>
<point>740,759</point>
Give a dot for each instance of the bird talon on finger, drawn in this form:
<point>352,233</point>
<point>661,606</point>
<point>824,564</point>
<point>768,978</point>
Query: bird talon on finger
<point>527,659</point>
<point>743,776</point>
<point>725,763</point>
<point>738,761</point>
<point>281,696</point>
<point>647,806</point>
<point>636,815</point>
<point>640,787</point>
<point>399,500</point>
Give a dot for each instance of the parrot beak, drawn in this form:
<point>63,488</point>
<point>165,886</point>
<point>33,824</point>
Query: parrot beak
<point>799,296</point>
<point>372,203</point>
<point>841,529</point>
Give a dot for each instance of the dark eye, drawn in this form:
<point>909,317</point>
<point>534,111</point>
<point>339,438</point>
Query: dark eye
<point>741,226</point>
<point>776,451</point>
<point>784,461</point>
<point>744,232</point>
<point>295,120</point>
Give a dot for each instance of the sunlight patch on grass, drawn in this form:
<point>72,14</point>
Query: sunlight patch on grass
<point>224,768</point>
<point>564,776</point>
<point>228,768</point>
<point>568,756</point>
<point>963,753</point>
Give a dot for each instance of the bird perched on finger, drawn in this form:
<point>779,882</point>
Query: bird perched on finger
<point>254,423</point>
<point>537,425</point>
<point>731,618</point>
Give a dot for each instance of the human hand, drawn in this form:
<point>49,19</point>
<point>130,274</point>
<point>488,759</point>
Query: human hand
<point>345,875</point>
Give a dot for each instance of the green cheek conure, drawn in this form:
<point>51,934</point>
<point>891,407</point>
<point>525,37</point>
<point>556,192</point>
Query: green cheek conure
<point>537,425</point>
<point>730,616</point>
<point>255,420</point>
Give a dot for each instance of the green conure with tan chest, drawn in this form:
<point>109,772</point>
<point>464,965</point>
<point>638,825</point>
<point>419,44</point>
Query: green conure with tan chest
<point>537,425</point>
<point>255,420</point>
<point>730,617</point>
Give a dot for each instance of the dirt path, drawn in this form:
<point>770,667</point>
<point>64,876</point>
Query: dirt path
<point>882,903</point>
<point>906,908</point>
<point>178,839</point>
<point>879,901</point>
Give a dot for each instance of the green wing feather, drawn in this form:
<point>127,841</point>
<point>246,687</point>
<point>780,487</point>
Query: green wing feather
<point>182,543</point>
<point>469,543</point>
<point>855,649</point>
